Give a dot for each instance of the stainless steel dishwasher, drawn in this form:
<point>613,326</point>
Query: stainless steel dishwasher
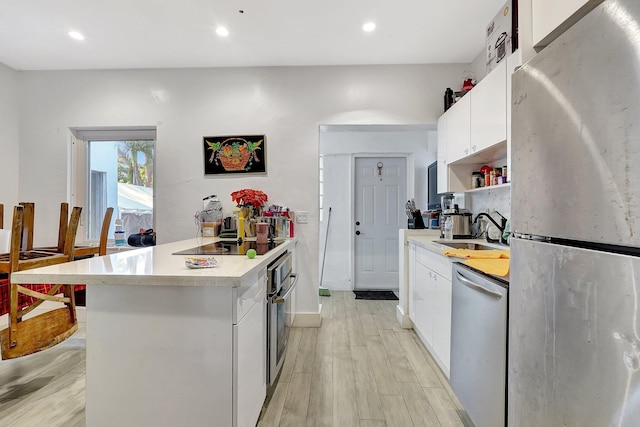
<point>479,313</point>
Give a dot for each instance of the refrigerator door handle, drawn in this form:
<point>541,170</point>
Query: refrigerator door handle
<point>477,287</point>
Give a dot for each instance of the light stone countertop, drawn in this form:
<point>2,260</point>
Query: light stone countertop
<point>437,245</point>
<point>154,265</point>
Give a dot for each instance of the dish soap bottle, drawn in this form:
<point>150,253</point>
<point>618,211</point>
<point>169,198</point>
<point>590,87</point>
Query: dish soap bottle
<point>448,228</point>
<point>119,233</point>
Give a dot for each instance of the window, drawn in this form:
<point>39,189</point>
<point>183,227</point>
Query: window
<point>114,168</point>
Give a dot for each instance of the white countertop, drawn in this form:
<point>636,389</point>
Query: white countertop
<point>437,245</point>
<point>153,265</point>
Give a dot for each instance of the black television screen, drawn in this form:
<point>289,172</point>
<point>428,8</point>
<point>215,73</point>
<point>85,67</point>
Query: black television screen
<point>434,200</point>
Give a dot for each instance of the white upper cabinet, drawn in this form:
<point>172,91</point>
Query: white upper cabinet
<point>550,18</point>
<point>489,110</point>
<point>513,62</point>
<point>459,129</point>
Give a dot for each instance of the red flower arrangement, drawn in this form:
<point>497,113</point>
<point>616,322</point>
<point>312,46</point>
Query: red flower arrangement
<point>249,197</point>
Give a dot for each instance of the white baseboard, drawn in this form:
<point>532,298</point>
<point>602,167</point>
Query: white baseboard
<point>307,320</point>
<point>403,318</point>
<point>338,285</point>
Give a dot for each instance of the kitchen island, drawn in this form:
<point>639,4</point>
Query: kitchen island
<point>168,345</point>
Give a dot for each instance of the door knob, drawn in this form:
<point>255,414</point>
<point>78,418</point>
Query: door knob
<point>358,233</point>
<point>357,222</point>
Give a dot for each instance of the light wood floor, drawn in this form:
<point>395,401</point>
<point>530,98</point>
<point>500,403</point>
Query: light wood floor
<point>360,369</point>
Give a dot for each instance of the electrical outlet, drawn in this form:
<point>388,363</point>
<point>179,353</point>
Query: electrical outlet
<point>302,217</point>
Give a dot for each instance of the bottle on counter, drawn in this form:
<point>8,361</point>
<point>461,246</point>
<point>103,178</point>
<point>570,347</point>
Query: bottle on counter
<point>448,228</point>
<point>119,234</point>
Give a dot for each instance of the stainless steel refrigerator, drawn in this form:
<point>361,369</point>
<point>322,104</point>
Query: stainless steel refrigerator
<point>574,308</point>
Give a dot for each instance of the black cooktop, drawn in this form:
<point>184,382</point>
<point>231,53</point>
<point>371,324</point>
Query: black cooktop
<point>231,247</point>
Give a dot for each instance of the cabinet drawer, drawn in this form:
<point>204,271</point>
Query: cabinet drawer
<point>436,262</point>
<point>251,293</point>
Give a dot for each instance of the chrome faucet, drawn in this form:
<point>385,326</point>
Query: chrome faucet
<point>501,226</point>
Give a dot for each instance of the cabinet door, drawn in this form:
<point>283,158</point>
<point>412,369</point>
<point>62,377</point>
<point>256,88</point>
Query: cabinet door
<point>489,110</point>
<point>424,284</point>
<point>550,18</point>
<point>249,366</point>
<point>443,171</point>
<point>442,321</point>
<point>459,129</point>
<point>412,284</point>
<point>513,61</point>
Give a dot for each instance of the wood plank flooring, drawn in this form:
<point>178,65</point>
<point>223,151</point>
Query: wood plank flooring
<point>359,369</point>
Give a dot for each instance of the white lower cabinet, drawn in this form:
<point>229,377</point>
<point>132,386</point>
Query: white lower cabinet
<point>442,320</point>
<point>424,302</point>
<point>430,297</point>
<point>249,353</point>
<point>412,288</point>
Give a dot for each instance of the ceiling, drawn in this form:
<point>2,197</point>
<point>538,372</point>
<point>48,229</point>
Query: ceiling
<point>181,33</point>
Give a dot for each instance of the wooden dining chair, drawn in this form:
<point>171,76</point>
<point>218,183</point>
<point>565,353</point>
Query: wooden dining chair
<point>101,249</point>
<point>26,336</point>
<point>80,251</point>
<point>27,225</point>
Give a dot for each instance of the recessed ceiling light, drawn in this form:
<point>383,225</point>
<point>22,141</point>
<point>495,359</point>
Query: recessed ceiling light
<point>369,26</point>
<point>222,31</point>
<point>76,35</point>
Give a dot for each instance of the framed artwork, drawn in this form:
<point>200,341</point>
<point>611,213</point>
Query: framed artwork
<point>235,154</point>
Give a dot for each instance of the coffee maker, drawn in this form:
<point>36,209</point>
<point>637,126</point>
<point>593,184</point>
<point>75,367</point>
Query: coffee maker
<point>453,206</point>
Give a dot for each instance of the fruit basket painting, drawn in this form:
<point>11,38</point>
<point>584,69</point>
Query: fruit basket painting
<point>234,154</point>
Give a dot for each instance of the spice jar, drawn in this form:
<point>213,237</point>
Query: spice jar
<point>476,178</point>
<point>496,174</point>
<point>488,178</point>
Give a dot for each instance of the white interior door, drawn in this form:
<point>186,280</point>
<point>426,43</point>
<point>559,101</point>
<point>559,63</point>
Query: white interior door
<point>380,193</point>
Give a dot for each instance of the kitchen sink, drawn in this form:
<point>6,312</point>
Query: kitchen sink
<point>472,246</point>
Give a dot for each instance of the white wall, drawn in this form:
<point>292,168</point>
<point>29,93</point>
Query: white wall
<point>338,145</point>
<point>8,140</point>
<point>285,103</point>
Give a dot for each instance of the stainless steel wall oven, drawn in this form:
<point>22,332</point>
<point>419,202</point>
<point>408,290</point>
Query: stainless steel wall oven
<point>280,285</point>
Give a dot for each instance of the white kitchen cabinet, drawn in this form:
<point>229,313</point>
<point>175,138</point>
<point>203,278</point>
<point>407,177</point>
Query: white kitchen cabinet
<point>431,292</point>
<point>474,132</point>
<point>412,286</point>
<point>489,110</point>
<point>442,295</point>
<point>550,18</point>
<point>443,170</point>
<point>249,348</point>
<point>459,129</point>
<point>513,62</point>
<point>423,300</point>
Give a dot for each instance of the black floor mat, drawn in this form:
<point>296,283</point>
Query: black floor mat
<point>376,295</point>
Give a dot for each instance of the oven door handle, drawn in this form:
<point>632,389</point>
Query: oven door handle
<point>283,298</point>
